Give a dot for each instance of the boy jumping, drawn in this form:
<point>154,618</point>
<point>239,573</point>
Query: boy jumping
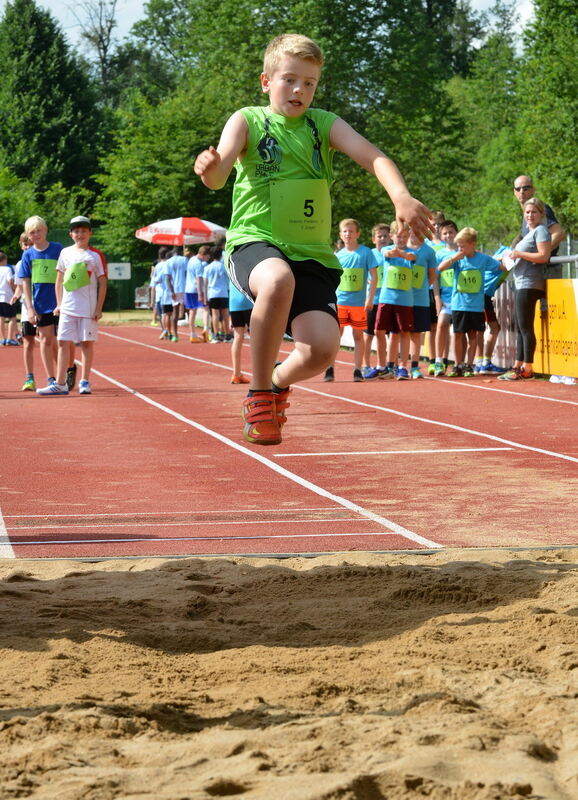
<point>278,243</point>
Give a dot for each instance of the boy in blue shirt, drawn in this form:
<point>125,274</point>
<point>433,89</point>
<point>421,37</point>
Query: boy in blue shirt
<point>217,295</point>
<point>380,238</point>
<point>38,273</point>
<point>469,267</point>
<point>425,274</point>
<point>354,295</point>
<point>487,341</point>
<point>278,243</point>
<point>448,231</point>
<point>395,310</point>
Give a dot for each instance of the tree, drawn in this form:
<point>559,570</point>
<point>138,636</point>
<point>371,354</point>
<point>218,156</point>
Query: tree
<point>548,91</point>
<point>50,126</point>
<point>97,26</point>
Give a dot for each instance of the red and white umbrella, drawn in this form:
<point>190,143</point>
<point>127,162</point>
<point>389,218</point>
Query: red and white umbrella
<point>181,230</point>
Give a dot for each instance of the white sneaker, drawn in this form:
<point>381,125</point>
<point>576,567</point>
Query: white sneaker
<point>53,388</point>
<point>84,387</point>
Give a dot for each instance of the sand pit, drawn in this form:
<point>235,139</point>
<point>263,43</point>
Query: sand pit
<point>356,676</point>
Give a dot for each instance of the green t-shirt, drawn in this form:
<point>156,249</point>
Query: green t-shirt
<point>281,192</point>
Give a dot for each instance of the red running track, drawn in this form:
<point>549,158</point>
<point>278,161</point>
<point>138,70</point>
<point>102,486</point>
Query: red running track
<point>153,463</point>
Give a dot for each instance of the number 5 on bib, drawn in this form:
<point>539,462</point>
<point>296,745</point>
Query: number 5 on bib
<point>301,211</point>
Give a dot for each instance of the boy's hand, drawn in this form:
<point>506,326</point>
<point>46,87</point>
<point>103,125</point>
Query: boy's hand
<point>97,315</point>
<point>206,161</point>
<point>415,214</point>
<point>56,311</point>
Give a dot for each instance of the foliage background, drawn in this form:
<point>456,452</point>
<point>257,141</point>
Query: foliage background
<point>463,102</point>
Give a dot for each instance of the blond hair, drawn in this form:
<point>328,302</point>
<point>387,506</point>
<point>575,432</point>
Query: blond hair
<point>350,221</point>
<point>394,228</point>
<point>290,44</point>
<point>533,201</point>
<point>380,226</point>
<point>467,235</point>
<point>24,239</point>
<point>34,222</point>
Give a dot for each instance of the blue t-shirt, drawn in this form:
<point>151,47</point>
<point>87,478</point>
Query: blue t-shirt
<point>160,280</point>
<point>379,260</point>
<point>425,259</point>
<point>217,280</point>
<point>191,281</point>
<point>352,289</point>
<point>446,278</point>
<point>40,267</point>
<point>468,293</point>
<point>397,282</point>
<point>237,300</point>
<point>177,267</point>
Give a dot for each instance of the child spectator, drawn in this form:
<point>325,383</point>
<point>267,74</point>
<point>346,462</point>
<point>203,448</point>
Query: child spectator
<point>469,267</point>
<point>424,275</point>
<point>493,278</point>
<point>193,302</point>
<point>176,267</point>
<point>38,273</point>
<point>380,238</point>
<point>163,292</point>
<point>240,311</point>
<point>217,294</point>
<point>7,307</point>
<point>80,291</point>
<point>279,239</point>
<point>448,231</point>
<point>354,295</point>
<point>395,310</point>
<point>28,330</point>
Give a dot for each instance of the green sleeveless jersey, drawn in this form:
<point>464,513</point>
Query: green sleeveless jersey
<point>281,192</point>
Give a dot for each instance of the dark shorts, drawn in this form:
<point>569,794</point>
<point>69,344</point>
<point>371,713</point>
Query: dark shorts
<point>167,308</point>
<point>219,303</point>
<point>7,310</point>
<point>315,284</point>
<point>241,319</point>
<point>192,301</point>
<point>371,315</point>
<point>47,319</point>
<point>394,319</point>
<point>465,321</point>
<point>489,310</point>
<point>421,319</point>
<point>432,308</point>
<point>28,329</point>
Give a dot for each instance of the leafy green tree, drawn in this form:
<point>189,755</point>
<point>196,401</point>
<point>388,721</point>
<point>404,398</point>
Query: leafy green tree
<point>16,199</point>
<point>548,99</point>
<point>50,123</point>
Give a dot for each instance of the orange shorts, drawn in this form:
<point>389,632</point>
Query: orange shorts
<point>355,316</point>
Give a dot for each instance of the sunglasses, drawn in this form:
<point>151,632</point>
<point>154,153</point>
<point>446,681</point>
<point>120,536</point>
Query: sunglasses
<point>526,186</point>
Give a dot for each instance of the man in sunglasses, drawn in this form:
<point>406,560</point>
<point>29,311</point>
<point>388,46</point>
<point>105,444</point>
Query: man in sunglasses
<point>523,191</point>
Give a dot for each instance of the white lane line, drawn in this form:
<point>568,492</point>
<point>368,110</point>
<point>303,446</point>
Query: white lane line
<point>312,487</point>
<point>235,522</point>
<point>512,393</point>
<point>169,513</point>
<point>393,452</point>
<point>427,421</point>
<point>345,363</point>
<point>40,543</point>
<point>6,549</point>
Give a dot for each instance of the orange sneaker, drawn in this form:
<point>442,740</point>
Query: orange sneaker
<point>281,405</point>
<point>196,339</point>
<point>240,379</point>
<point>261,423</point>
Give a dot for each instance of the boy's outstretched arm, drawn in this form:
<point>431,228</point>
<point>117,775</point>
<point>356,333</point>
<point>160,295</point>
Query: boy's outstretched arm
<point>214,166</point>
<point>407,209</point>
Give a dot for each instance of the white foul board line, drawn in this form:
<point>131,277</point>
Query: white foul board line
<point>6,549</point>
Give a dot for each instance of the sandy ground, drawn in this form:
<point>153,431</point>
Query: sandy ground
<point>356,676</point>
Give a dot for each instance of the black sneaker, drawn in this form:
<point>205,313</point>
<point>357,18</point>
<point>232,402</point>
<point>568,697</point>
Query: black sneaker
<point>71,377</point>
<point>357,376</point>
<point>329,376</point>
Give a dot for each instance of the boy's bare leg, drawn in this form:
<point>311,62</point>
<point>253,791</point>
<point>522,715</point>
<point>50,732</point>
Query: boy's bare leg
<point>357,348</point>
<point>47,343</point>
<point>472,344</point>
<point>316,337</point>
<point>459,347</point>
<point>28,353</point>
<point>404,342</point>
<point>415,347</point>
<point>367,339</point>
<point>393,347</point>
<point>237,349</point>
<point>63,351</point>
<point>491,340</point>
<point>272,283</point>
<point>87,356</point>
<point>443,336</point>
<point>431,341</point>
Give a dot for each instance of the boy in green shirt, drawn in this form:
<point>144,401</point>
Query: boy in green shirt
<point>278,244</point>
